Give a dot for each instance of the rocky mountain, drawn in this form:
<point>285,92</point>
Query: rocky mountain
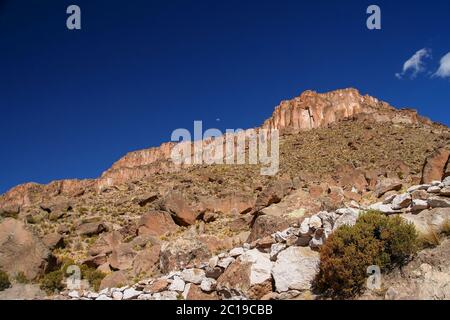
<point>147,218</point>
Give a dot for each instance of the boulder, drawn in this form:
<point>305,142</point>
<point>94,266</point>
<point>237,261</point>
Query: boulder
<point>445,192</point>
<point>106,243</point>
<point>401,201</point>
<point>122,257</point>
<point>249,275</point>
<point>273,193</point>
<point>156,223</point>
<point>22,251</point>
<point>428,220</point>
<point>439,202</point>
<point>91,228</point>
<point>157,286</point>
<point>434,166</point>
<point>147,260</point>
<point>386,185</point>
<point>265,226</point>
<point>114,280</point>
<point>195,276</point>
<point>295,269</point>
<point>53,241</point>
<point>194,292</point>
<point>177,206</point>
<point>178,254</point>
<point>145,199</point>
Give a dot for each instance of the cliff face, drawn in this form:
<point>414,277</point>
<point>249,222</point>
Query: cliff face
<point>309,110</point>
<point>313,110</point>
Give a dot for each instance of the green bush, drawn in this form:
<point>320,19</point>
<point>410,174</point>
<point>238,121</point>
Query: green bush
<point>53,281</point>
<point>375,239</point>
<point>93,276</point>
<point>21,278</point>
<point>4,281</point>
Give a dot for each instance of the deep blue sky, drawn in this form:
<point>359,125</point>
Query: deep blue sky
<point>73,102</point>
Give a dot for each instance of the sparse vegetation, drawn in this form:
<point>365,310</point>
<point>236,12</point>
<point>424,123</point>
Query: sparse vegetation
<point>4,281</point>
<point>52,282</point>
<point>374,240</point>
<point>93,276</point>
<point>21,278</point>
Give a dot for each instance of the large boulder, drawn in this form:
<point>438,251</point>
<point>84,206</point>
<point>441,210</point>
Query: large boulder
<point>91,228</point>
<point>106,243</point>
<point>147,260</point>
<point>178,207</point>
<point>429,220</point>
<point>116,279</point>
<point>435,165</point>
<point>181,253</point>
<point>156,223</point>
<point>249,275</point>
<point>122,257</point>
<point>22,251</point>
<point>273,193</point>
<point>295,269</point>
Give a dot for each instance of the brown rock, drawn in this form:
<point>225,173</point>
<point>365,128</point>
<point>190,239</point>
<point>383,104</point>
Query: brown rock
<point>274,193</point>
<point>265,226</point>
<point>156,223</point>
<point>195,293</point>
<point>419,195</point>
<point>157,286</point>
<point>91,228</point>
<point>106,243</point>
<point>242,223</point>
<point>53,241</point>
<point>22,251</point>
<point>435,164</point>
<point>145,199</point>
<point>176,205</point>
<point>116,279</point>
<point>386,185</point>
<point>122,257</point>
<point>96,261</point>
<point>146,260</point>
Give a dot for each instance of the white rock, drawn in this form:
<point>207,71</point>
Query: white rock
<point>103,297</point>
<point>236,252</point>
<point>177,284</point>
<point>445,192</point>
<point>304,226</point>
<point>166,295</point>
<point>104,291</point>
<point>419,204</point>
<point>446,182</point>
<point>92,295</point>
<point>208,284</point>
<point>117,295</point>
<point>435,183</point>
<point>213,261</point>
<point>347,217</point>
<point>384,208</point>
<point>401,201</point>
<point>145,296</point>
<point>295,269</point>
<point>434,189</point>
<point>131,293</point>
<point>222,255</point>
<point>275,249</point>
<point>315,222</point>
<point>74,294</point>
<point>224,263</point>
<point>185,293</point>
<point>261,266</point>
<point>418,187</point>
<point>193,275</point>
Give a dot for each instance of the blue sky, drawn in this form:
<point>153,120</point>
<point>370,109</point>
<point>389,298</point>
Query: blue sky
<point>73,102</point>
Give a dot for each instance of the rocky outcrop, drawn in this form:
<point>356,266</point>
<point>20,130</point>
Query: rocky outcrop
<point>21,251</point>
<point>314,110</point>
<point>435,165</point>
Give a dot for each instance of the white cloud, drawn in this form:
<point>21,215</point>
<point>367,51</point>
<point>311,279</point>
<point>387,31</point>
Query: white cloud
<point>444,68</point>
<point>415,64</point>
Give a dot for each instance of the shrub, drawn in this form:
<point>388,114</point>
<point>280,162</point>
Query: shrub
<point>94,276</point>
<point>53,281</point>
<point>21,278</point>
<point>375,239</point>
<point>4,281</point>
